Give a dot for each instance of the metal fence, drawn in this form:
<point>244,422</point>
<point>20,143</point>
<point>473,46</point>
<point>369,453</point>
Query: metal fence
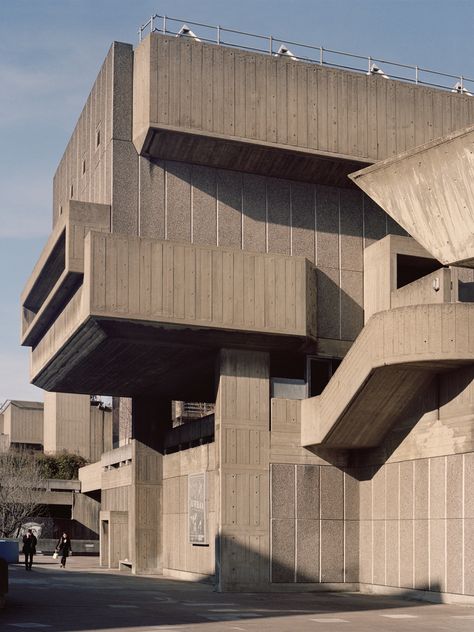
<point>297,51</point>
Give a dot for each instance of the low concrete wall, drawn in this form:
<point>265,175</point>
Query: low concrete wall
<point>47,545</point>
<point>79,547</point>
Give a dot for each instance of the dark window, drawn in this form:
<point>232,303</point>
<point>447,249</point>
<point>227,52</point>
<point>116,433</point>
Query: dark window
<point>320,371</point>
<point>411,269</point>
<point>287,364</point>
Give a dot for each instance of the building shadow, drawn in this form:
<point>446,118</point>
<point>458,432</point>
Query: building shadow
<point>80,600</point>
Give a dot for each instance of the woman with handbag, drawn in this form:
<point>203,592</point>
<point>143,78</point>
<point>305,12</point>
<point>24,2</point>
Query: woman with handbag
<point>64,547</point>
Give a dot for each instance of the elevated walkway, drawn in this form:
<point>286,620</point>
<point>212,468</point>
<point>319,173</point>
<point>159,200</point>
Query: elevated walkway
<point>396,355</point>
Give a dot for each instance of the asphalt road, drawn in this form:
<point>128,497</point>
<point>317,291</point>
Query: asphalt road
<point>85,598</point>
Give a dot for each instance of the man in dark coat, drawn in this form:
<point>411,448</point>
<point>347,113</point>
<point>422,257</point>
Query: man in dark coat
<point>29,548</point>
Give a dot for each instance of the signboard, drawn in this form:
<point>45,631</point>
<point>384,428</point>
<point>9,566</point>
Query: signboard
<point>197,508</point>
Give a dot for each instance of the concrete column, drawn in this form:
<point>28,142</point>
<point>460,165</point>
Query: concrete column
<point>151,419</point>
<point>242,441</point>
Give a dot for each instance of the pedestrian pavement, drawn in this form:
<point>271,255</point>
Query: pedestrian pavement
<point>85,598</point>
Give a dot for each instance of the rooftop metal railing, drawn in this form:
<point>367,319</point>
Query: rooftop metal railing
<point>297,51</point>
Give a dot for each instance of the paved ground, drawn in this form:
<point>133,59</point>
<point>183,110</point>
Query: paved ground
<point>85,598</point>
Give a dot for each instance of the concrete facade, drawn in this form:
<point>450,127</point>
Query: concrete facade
<point>73,424</point>
<point>21,425</point>
<point>208,246</point>
<point>64,423</point>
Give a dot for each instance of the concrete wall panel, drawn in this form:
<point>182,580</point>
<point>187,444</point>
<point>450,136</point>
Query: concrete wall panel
<point>407,552</point>
<point>254,209</point>
<point>283,551</point>
<point>332,551</point>
<point>307,550</point>
<point>351,550</point>
<point>454,556</point>
<point>332,494</point>
<point>279,217</point>
<point>392,552</point>
<point>229,209</point>
<point>204,206</point>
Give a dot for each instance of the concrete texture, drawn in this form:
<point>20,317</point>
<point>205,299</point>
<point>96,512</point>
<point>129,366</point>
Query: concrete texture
<point>243,95</point>
<point>385,379</point>
<point>227,253</point>
<point>107,108</point>
<point>22,423</point>
<point>409,188</point>
<point>243,404</point>
<point>72,424</point>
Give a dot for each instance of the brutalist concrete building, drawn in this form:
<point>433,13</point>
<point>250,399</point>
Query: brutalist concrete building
<point>208,245</point>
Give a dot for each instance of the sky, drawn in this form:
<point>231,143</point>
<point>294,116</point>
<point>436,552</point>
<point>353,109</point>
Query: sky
<point>51,51</point>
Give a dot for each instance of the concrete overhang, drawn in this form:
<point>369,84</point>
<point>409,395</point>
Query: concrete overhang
<point>394,358</point>
<point>151,314</point>
<point>192,110</point>
<point>60,267</point>
<point>257,157</point>
<point>430,192</point>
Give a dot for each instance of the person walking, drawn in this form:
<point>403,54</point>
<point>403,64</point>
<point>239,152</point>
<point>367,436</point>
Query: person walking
<point>29,548</point>
<point>64,547</point>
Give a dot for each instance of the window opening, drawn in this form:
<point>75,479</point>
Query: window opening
<point>411,268</point>
<point>319,372</point>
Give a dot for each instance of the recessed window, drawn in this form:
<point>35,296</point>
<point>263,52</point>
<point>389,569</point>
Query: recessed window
<point>320,371</point>
<point>83,166</point>
<point>60,209</point>
<point>410,268</point>
<point>71,191</point>
<point>97,137</point>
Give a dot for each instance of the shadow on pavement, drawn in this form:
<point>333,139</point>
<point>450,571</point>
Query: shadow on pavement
<point>91,599</point>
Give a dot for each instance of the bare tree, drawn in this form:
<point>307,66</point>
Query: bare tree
<point>21,485</point>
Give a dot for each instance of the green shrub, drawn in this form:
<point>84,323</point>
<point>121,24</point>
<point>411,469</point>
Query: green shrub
<point>63,465</point>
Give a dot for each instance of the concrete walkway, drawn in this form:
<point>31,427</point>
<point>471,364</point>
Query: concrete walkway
<point>86,598</point>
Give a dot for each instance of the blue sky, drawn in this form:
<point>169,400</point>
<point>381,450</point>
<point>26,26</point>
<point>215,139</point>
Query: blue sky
<point>51,50</point>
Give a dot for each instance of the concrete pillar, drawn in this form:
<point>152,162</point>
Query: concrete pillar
<point>151,419</point>
<point>242,441</point>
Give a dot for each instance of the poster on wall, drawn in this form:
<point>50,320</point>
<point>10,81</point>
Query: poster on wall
<point>197,508</point>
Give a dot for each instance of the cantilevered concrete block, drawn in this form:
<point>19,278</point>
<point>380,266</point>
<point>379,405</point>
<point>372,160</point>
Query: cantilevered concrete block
<point>429,190</point>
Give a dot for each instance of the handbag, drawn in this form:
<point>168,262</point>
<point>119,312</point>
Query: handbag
<point>55,555</point>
